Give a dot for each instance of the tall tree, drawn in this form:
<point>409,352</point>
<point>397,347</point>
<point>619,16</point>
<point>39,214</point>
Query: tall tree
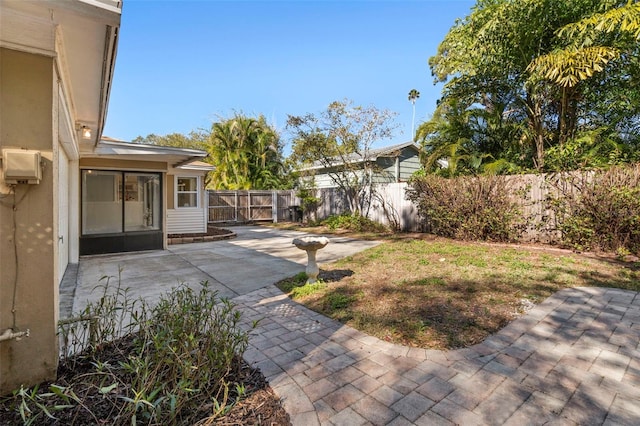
<point>247,154</point>
<point>459,139</point>
<point>340,139</point>
<point>413,97</point>
<point>485,62</point>
<point>592,43</point>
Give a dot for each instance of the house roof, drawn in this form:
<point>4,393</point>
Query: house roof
<point>391,151</point>
<point>373,155</point>
<point>197,165</point>
<point>176,157</point>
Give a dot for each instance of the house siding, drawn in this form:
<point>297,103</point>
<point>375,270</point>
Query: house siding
<point>387,170</point>
<point>186,221</point>
<point>323,180</point>
<point>409,164</point>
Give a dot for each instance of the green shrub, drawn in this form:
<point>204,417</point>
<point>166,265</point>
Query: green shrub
<point>176,362</point>
<point>309,202</point>
<point>468,208</point>
<point>187,347</point>
<point>353,222</point>
<point>598,210</point>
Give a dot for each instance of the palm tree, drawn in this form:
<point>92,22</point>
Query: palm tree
<point>413,96</point>
<point>246,153</point>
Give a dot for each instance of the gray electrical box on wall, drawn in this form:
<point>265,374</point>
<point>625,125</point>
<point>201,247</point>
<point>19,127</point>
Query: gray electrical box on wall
<point>21,166</point>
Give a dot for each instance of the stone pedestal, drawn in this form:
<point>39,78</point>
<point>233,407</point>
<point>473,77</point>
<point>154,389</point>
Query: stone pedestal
<point>311,245</point>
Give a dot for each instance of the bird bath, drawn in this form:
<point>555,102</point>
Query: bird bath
<point>311,245</point>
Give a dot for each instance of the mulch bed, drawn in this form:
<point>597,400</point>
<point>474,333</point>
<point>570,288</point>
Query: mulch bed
<point>259,406</point>
<point>211,231</point>
<point>213,234</point>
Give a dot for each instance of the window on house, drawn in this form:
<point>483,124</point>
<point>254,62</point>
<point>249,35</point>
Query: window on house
<point>187,192</point>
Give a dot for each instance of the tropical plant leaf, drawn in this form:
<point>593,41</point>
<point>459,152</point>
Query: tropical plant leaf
<point>624,19</point>
<point>570,66</point>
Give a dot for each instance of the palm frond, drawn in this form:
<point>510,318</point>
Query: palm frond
<point>623,19</point>
<point>570,66</point>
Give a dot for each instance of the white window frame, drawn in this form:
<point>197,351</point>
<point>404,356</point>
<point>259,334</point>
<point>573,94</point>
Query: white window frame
<point>177,192</point>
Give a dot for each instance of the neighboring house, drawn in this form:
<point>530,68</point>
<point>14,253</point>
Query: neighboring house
<point>390,164</point>
<point>64,190</point>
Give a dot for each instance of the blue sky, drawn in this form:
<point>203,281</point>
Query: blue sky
<point>181,65</point>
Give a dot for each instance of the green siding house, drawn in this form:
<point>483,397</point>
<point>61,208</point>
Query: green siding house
<point>392,164</point>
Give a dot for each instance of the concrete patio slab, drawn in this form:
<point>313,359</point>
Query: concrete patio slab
<point>259,256</point>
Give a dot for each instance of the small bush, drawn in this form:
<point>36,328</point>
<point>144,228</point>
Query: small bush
<point>176,362</point>
<point>599,210</point>
<point>309,202</point>
<point>353,222</point>
<point>186,348</point>
<point>468,208</point>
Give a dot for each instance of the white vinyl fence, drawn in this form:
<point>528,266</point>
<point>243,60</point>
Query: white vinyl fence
<point>389,206</point>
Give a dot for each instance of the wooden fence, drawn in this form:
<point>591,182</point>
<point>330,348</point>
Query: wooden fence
<point>250,206</point>
<point>389,205</point>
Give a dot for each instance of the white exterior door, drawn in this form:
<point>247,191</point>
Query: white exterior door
<point>63,213</point>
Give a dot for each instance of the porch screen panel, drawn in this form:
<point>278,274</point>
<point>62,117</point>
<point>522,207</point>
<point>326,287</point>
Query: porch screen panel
<point>101,202</point>
<point>142,202</point>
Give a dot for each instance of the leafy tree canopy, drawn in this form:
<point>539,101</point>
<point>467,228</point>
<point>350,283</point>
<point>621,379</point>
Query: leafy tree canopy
<point>339,139</point>
<point>194,140</point>
<point>525,76</point>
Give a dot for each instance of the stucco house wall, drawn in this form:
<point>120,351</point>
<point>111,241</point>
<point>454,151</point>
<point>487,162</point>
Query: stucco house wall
<point>56,61</point>
<point>27,248</point>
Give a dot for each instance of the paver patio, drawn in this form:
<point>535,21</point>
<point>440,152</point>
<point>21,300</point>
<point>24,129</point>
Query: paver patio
<point>572,360</point>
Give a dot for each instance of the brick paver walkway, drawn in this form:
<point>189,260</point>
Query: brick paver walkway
<point>573,359</point>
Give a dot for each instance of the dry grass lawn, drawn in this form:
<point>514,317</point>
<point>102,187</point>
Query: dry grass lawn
<point>441,294</point>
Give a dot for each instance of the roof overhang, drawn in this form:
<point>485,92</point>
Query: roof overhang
<point>373,154</point>
<point>200,166</point>
<point>82,37</point>
<point>174,157</point>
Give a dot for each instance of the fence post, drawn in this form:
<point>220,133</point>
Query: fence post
<point>236,206</point>
<point>206,210</point>
<point>274,206</point>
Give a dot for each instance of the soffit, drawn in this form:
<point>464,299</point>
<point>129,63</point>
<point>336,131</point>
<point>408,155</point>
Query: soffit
<point>81,35</point>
